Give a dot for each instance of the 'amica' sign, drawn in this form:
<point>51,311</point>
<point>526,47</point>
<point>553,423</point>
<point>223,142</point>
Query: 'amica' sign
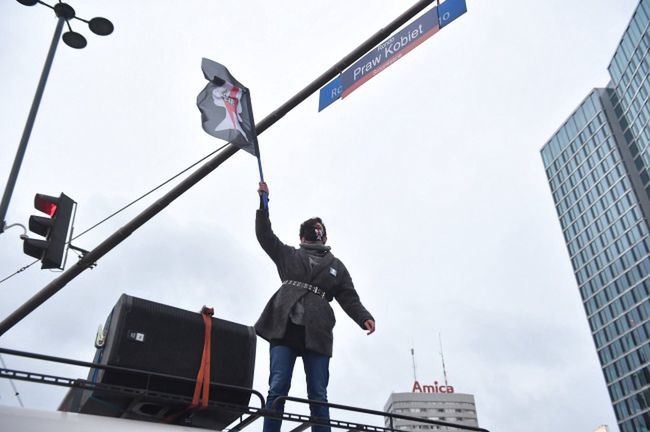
<point>435,388</point>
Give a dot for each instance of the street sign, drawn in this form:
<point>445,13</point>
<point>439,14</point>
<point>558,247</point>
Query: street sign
<point>391,50</point>
<point>330,93</point>
<point>450,10</point>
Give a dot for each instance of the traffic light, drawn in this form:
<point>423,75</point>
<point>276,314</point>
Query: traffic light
<point>55,229</point>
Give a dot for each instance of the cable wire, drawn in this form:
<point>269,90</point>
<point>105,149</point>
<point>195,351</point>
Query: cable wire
<point>19,270</point>
<point>125,207</point>
<point>13,386</point>
<point>151,191</point>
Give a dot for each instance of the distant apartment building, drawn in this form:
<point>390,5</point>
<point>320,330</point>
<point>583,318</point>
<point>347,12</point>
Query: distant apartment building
<point>431,402</point>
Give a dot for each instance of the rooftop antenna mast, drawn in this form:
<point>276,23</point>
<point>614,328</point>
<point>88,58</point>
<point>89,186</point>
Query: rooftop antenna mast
<point>444,370</point>
<point>415,378</point>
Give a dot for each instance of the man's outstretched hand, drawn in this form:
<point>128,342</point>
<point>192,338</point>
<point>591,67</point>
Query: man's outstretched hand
<point>370,326</point>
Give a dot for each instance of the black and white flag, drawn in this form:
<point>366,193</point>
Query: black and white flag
<point>226,110</point>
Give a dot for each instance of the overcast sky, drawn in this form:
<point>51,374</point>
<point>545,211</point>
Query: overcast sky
<point>428,178</point>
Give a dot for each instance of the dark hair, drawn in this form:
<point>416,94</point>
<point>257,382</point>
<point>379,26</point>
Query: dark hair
<point>307,228</point>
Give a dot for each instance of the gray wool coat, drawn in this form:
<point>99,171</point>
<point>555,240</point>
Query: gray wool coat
<point>330,276</point>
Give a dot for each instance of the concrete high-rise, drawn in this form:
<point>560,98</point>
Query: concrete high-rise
<point>598,167</point>
<point>431,402</point>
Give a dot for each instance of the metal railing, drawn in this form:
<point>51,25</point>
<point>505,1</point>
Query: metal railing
<point>253,413</point>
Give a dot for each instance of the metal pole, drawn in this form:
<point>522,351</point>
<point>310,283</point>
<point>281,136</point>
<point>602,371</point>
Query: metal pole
<point>117,237</point>
<point>13,176</point>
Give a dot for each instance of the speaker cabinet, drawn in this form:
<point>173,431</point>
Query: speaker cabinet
<point>149,336</point>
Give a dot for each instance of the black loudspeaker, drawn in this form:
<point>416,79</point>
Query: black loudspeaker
<point>153,337</point>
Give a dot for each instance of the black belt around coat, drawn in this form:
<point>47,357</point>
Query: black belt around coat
<point>309,287</point>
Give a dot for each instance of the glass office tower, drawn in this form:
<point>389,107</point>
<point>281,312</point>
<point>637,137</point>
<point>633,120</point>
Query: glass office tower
<point>629,70</point>
<point>598,166</point>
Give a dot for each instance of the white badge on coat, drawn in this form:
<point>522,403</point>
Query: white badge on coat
<point>333,271</point>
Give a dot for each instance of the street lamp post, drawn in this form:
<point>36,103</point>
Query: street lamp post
<point>64,13</point>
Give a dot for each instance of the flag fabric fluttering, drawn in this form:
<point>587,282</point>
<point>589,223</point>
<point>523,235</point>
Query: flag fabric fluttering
<point>226,110</point>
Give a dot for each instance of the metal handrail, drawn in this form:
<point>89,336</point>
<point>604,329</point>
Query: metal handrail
<point>129,370</point>
<point>253,412</point>
<point>281,399</point>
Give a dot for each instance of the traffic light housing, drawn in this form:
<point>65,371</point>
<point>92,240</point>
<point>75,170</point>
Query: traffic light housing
<point>55,229</point>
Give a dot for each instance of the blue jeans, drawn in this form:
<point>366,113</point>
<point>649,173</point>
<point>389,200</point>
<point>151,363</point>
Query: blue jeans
<point>317,374</point>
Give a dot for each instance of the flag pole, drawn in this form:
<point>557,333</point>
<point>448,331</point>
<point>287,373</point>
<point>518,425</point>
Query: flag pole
<point>265,195</point>
<point>118,236</point>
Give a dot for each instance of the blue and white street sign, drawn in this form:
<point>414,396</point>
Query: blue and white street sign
<point>330,93</point>
<point>450,10</point>
<point>391,50</point>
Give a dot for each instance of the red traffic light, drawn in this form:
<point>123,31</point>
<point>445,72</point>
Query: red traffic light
<point>45,203</point>
<point>56,229</point>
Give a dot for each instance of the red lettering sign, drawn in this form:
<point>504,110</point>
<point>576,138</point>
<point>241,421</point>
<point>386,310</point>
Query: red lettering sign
<point>435,388</point>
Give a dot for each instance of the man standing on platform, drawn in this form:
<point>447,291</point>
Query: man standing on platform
<point>298,319</point>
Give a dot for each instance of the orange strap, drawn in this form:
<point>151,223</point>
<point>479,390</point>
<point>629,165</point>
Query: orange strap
<point>202,387</point>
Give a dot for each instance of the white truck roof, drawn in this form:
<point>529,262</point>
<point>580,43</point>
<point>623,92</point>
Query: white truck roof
<point>14,419</point>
